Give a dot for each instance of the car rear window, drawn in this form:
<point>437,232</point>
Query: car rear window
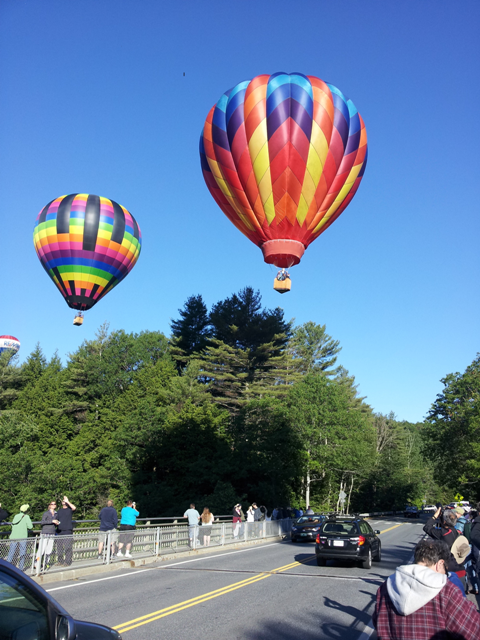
<point>340,528</point>
<point>309,520</point>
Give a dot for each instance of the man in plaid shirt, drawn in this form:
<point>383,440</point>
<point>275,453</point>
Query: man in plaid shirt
<point>418,602</point>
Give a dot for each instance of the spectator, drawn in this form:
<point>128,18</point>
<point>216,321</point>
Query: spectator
<point>309,511</point>
<point>21,523</point>
<point>257,518</point>
<point>3,516</point>
<point>275,514</point>
<point>193,518</point>
<point>419,599</point>
<point>48,524</point>
<point>459,513</point>
<point>128,522</point>
<point>65,528</point>
<point>475,557</point>
<point>207,519</point>
<point>442,528</point>
<point>108,525</point>
<point>237,520</point>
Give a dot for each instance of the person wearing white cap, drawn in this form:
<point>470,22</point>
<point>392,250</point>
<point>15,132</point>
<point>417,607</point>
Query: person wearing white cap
<point>21,523</point>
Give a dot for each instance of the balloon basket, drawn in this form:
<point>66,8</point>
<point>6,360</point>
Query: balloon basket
<point>282,286</point>
<point>78,320</point>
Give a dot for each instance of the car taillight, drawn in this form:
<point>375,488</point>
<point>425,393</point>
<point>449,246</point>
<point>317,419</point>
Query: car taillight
<point>318,539</point>
<point>361,540</point>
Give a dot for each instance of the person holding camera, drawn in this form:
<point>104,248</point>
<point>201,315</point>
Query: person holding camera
<point>128,521</point>
<point>441,526</point>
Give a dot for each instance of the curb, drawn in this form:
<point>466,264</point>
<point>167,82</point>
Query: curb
<point>74,574</point>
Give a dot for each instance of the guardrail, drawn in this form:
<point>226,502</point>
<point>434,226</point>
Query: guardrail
<point>56,552</point>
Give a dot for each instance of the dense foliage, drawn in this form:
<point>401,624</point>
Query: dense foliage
<point>237,405</point>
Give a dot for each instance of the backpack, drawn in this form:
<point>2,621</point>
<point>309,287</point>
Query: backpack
<point>467,529</point>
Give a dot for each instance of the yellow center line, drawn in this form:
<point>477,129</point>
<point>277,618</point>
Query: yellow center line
<point>394,527</point>
<point>162,613</point>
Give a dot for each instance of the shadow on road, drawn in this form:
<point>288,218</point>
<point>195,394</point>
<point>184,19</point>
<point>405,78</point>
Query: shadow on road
<point>337,621</point>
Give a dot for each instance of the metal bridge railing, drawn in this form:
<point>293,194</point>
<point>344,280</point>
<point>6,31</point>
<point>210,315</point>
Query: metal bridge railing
<point>83,549</point>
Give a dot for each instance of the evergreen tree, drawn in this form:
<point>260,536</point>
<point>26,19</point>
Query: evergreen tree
<point>313,349</point>
<point>452,432</point>
<point>240,322</point>
<point>192,330</point>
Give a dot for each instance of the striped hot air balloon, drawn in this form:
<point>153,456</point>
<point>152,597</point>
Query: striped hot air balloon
<point>87,244</point>
<point>283,155</point>
<point>10,344</point>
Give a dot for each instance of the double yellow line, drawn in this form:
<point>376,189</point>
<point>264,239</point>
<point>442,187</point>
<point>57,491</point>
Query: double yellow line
<point>162,613</point>
<point>168,611</point>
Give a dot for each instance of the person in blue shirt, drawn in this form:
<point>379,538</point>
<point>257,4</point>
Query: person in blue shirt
<point>128,521</point>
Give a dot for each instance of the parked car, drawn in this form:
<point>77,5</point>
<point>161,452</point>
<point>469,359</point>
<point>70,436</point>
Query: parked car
<point>429,508</point>
<point>462,503</point>
<point>411,511</point>
<point>307,527</point>
<point>348,538</point>
<point>28,612</point>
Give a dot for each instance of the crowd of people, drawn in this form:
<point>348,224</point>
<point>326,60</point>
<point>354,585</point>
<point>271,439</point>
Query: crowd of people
<point>57,526</point>
<point>427,600</point>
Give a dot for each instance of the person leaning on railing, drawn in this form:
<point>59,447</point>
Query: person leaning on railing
<point>128,522</point>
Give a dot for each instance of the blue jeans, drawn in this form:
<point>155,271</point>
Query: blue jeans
<point>21,546</point>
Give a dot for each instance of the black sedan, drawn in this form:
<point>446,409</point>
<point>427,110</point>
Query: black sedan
<point>28,611</point>
<point>307,527</point>
<point>348,538</point>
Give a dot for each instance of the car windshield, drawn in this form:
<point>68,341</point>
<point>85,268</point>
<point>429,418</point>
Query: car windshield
<point>309,520</point>
<point>340,528</point>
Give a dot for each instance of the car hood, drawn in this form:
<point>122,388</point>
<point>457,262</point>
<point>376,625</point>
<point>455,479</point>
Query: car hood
<point>412,586</point>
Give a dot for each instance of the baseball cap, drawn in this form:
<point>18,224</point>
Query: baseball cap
<point>24,507</point>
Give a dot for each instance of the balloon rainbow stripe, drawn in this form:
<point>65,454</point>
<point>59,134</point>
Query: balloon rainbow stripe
<point>87,244</point>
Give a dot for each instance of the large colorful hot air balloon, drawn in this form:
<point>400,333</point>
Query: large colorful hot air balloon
<point>283,155</point>
<point>87,244</point>
<point>9,343</point>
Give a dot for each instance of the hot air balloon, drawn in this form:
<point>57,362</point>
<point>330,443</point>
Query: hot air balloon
<point>283,155</point>
<point>87,244</point>
<point>9,343</point>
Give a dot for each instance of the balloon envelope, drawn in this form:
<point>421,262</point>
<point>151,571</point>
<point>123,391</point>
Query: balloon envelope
<point>9,343</point>
<point>283,155</point>
<point>87,244</point>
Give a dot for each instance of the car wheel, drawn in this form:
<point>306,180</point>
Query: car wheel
<point>378,556</point>
<point>321,562</point>
<point>367,563</point>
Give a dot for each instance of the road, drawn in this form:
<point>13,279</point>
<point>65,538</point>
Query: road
<point>271,591</point>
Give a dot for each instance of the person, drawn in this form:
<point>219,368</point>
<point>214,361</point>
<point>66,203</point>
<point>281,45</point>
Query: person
<point>237,520</point>
<point>65,528</point>
<point>3,516</point>
<point>442,528</point>
<point>108,525</point>
<point>48,525</point>
<point>257,518</point>
<point>309,511</point>
<point>474,568</point>
<point>459,514</point>
<point>193,518</point>
<point>418,601</point>
<point>21,524</point>
<point>207,519</point>
<point>128,522</point>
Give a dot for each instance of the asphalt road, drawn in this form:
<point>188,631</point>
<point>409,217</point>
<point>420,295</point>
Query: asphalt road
<point>271,591</point>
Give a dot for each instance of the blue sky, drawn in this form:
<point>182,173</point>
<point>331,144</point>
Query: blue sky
<point>94,100</point>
